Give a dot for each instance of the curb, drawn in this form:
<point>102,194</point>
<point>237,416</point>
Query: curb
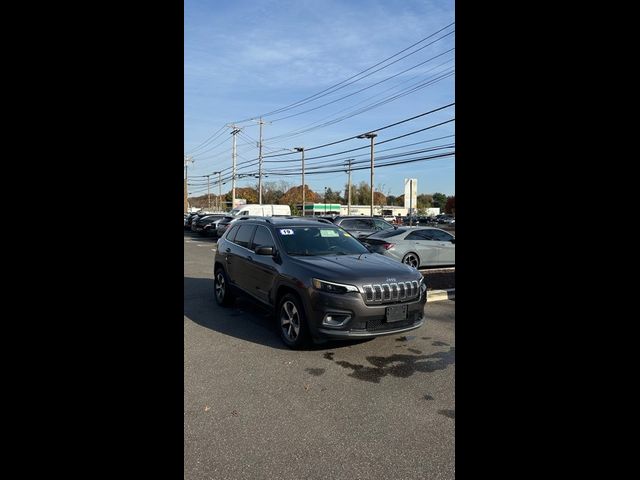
<point>437,295</point>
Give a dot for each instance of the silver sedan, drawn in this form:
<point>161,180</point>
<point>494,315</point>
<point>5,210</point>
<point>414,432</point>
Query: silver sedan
<point>415,246</point>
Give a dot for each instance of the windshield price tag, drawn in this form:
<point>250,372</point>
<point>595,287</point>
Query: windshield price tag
<point>286,231</point>
<point>328,233</point>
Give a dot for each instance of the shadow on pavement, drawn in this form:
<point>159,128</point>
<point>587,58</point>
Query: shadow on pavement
<point>246,319</point>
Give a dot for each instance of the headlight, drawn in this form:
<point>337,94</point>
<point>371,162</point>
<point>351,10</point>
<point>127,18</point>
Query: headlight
<point>332,287</point>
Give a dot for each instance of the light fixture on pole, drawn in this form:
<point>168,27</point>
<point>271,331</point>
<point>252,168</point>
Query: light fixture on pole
<point>372,136</point>
<point>301,149</point>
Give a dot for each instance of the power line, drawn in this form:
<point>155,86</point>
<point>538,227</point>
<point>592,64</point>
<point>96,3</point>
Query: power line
<point>344,83</point>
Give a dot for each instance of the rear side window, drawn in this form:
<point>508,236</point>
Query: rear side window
<point>426,234</point>
<point>381,224</point>
<point>348,223</point>
<point>417,236</point>
<point>244,235</point>
<point>441,236</point>
<point>232,233</point>
<point>262,238</point>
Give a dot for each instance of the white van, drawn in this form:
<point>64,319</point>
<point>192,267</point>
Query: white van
<point>261,210</point>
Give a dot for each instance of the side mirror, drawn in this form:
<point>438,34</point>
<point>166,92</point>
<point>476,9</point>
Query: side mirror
<point>453,240</point>
<point>264,250</point>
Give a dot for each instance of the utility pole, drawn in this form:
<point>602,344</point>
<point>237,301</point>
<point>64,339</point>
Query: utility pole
<point>234,132</point>
<point>187,160</point>
<point>372,136</point>
<point>301,149</point>
<point>208,192</point>
<point>260,164</point>
<point>325,200</point>
<point>349,188</point>
<point>219,191</point>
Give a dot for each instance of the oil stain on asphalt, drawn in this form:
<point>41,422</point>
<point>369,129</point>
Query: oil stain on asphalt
<point>448,413</point>
<point>398,365</point>
<point>315,371</point>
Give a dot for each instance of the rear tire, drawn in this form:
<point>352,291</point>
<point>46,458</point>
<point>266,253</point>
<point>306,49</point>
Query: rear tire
<point>411,259</point>
<point>221,288</point>
<point>292,322</point>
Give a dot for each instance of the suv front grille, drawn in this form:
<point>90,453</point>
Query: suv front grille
<point>390,292</point>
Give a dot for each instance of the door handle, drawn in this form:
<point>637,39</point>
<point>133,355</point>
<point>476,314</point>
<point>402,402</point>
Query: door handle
<point>250,258</point>
<point>227,250</point>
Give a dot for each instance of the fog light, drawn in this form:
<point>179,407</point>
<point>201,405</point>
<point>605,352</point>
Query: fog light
<point>335,319</point>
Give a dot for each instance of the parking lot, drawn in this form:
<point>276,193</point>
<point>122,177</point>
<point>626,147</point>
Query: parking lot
<point>381,408</point>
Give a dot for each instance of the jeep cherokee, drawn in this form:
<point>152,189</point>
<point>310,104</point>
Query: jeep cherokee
<point>318,279</point>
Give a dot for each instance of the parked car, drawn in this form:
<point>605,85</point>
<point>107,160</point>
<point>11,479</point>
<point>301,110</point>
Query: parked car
<point>206,225</point>
<point>361,226</point>
<point>317,279</point>
<point>225,222</point>
<point>445,218</point>
<point>415,246</point>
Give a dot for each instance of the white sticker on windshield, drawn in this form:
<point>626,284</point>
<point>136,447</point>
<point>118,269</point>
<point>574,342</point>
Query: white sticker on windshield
<point>286,231</point>
<point>328,233</point>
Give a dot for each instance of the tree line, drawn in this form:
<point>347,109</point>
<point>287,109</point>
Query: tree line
<point>282,193</point>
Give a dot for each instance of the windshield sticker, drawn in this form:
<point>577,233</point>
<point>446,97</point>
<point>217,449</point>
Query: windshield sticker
<point>328,233</point>
<point>286,231</point>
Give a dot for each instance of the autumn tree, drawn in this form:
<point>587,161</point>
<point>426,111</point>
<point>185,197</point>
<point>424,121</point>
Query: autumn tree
<point>450,206</point>
<point>293,197</point>
<point>379,198</point>
<point>248,193</point>
<point>272,192</point>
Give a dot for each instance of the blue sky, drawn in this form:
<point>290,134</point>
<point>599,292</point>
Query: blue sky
<point>248,58</point>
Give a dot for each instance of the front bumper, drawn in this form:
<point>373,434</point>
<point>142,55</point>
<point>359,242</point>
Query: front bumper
<point>365,321</point>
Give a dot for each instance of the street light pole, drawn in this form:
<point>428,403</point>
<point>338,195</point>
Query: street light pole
<point>301,149</point>
<point>372,136</point>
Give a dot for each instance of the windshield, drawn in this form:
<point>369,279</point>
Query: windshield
<point>234,212</point>
<point>319,241</point>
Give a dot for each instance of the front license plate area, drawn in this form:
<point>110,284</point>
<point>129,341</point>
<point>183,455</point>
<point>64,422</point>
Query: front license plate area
<point>396,313</point>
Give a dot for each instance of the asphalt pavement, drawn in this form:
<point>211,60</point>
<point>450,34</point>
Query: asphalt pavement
<point>373,409</point>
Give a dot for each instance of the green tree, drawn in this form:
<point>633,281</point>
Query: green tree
<point>424,201</point>
<point>363,194</point>
<point>439,200</point>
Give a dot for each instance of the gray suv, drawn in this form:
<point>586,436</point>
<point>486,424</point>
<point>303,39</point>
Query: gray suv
<point>319,280</point>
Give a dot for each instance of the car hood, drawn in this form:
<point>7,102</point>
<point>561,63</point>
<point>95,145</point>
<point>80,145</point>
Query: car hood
<point>357,269</point>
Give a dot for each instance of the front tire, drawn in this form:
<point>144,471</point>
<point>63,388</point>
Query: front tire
<point>221,288</point>
<point>411,259</point>
<point>292,322</point>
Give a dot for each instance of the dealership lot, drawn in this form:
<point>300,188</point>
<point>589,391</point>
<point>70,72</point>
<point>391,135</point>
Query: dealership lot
<point>382,408</point>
